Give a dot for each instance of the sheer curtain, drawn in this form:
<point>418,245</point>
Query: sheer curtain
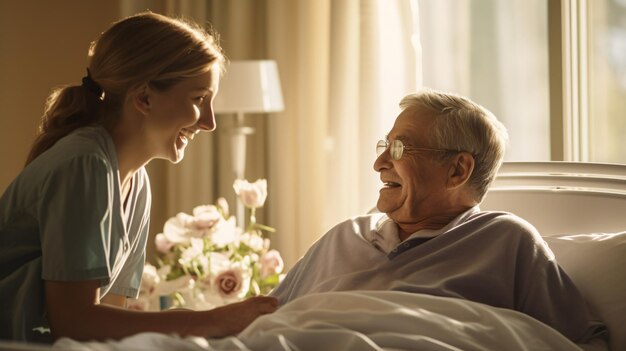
<point>344,66</point>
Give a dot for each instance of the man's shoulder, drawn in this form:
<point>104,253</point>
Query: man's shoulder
<point>500,218</point>
<point>501,223</point>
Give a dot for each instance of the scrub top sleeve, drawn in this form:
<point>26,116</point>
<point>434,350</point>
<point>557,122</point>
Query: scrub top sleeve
<point>75,212</point>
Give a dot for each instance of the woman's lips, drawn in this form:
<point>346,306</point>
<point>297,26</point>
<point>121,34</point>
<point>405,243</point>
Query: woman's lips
<point>182,140</point>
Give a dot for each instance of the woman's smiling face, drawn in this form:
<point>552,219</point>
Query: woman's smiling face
<point>180,112</point>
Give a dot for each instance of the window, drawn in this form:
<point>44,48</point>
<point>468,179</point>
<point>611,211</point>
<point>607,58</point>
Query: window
<point>553,71</point>
<point>607,80</point>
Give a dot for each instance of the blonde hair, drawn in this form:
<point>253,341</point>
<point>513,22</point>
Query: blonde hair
<point>144,48</point>
<point>463,125</point>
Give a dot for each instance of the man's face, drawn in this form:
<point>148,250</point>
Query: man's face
<point>415,185</point>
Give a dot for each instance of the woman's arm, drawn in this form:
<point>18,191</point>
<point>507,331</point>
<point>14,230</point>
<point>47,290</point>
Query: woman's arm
<point>74,311</point>
<point>114,300</point>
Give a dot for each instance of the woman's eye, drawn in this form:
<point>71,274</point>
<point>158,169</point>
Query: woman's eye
<point>200,99</point>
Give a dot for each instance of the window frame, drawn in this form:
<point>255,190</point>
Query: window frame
<point>568,45</point>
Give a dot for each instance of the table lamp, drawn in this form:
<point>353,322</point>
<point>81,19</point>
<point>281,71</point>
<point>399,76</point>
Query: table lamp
<point>250,86</point>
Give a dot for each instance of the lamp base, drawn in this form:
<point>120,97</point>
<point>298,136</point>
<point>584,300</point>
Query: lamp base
<point>238,148</point>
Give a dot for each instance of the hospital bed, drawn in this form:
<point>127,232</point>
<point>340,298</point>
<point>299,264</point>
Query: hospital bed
<point>580,209</point>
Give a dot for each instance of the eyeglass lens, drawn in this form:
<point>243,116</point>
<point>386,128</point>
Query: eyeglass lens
<point>396,149</point>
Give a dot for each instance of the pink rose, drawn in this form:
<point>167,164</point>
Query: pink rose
<point>271,263</point>
<point>229,283</point>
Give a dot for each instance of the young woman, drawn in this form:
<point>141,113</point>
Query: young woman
<point>74,223</point>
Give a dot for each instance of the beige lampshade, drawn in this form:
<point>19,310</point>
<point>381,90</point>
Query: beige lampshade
<point>249,87</point>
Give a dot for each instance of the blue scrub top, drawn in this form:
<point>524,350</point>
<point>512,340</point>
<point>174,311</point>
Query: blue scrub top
<point>61,219</point>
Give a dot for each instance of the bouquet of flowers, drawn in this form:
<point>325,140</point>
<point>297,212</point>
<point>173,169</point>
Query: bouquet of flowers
<point>206,261</point>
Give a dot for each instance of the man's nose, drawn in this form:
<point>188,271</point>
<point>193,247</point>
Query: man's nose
<point>382,161</point>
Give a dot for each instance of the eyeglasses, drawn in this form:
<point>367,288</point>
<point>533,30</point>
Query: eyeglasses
<point>396,148</point>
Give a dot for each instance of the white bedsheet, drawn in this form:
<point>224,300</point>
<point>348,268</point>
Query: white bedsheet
<point>367,320</point>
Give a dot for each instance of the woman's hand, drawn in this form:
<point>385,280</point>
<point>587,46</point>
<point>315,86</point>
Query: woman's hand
<point>234,318</point>
<point>75,311</point>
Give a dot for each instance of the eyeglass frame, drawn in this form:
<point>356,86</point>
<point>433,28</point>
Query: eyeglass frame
<point>403,147</point>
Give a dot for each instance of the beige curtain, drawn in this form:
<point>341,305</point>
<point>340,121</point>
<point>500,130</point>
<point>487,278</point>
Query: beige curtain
<point>344,66</point>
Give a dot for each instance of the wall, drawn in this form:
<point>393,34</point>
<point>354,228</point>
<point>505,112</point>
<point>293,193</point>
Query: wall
<point>43,44</point>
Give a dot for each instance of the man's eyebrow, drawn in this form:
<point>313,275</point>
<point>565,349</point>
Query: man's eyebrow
<point>400,137</point>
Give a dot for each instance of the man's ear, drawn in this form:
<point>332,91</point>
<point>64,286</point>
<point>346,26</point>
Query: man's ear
<point>141,99</point>
<point>461,169</point>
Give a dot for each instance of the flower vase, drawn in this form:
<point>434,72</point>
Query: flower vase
<point>165,302</point>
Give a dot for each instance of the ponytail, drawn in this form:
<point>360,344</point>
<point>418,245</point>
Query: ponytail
<point>67,109</point>
<point>144,48</point>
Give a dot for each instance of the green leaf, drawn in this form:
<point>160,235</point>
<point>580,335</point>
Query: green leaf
<point>264,227</point>
<point>271,280</point>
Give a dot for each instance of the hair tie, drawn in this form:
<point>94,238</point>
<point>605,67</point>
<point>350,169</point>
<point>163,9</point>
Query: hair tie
<point>92,86</point>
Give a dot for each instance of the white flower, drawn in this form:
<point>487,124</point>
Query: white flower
<point>253,240</point>
<point>223,205</point>
<point>225,232</point>
<point>219,262</point>
<point>252,195</point>
<point>207,261</point>
<point>193,255</point>
<point>175,230</point>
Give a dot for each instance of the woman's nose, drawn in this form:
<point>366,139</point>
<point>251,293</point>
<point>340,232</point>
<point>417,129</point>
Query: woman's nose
<point>207,119</point>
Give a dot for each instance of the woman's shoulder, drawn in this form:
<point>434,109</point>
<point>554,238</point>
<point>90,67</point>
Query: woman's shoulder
<point>86,145</point>
<point>83,154</point>
<point>90,140</point>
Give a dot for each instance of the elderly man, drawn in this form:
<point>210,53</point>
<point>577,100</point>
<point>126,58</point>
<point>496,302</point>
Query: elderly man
<point>436,165</point>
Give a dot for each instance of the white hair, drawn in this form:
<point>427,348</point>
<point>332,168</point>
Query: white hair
<point>463,125</point>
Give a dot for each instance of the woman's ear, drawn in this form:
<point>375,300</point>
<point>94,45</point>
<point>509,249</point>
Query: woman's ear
<point>141,98</point>
<point>461,169</point>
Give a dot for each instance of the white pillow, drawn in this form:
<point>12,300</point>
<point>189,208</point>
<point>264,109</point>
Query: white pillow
<point>597,265</point>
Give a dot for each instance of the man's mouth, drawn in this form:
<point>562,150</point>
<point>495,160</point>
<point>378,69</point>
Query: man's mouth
<point>391,184</point>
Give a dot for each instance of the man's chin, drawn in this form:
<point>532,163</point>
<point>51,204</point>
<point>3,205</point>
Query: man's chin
<point>384,207</point>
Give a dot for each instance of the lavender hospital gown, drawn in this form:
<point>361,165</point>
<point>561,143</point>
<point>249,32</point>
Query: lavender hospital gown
<point>495,258</point>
